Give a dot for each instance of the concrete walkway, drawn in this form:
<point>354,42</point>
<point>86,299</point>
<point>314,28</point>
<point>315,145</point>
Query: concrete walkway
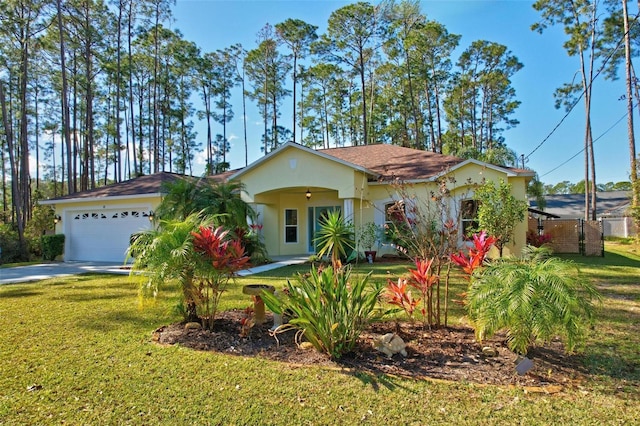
<point>278,262</point>
<point>44,271</point>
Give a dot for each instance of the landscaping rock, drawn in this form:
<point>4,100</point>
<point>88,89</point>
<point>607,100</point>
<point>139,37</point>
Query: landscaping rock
<point>192,326</point>
<point>489,351</point>
<point>449,353</point>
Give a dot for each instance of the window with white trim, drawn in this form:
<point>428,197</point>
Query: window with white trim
<point>469,217</point>
<point>290,225</point>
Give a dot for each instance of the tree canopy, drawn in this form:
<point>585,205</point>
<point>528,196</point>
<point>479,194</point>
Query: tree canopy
<point>99,92</point>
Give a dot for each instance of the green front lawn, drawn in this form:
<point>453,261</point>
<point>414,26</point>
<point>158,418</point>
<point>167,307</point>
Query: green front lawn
<point>79,351</point>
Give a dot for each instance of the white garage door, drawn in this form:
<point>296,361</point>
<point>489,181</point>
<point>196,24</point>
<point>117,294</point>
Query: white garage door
<point>103,235</point>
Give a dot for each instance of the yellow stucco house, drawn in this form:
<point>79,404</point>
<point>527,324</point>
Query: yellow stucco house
<point>291,188</point>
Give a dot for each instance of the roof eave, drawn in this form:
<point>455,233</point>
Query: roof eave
<point>509,172</point>
<point>305,149</point>
<point>99,198</point>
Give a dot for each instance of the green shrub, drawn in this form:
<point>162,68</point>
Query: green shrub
<point>329,307</point>
<point>532,298</point>
<point>52,246</point>
<point>9,244</point>
<point>41,221</point>
<point>253,246</point>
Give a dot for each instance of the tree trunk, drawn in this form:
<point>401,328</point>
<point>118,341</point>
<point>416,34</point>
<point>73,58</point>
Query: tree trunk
<point>130,71</point>
<point>118,142</point>
<point>593,206</point>
<point>64,99</point>
<point>37,133</point>
<point>295,78</point>
<point>89,132</point>
<point>365,141</point>
<point>417,125</point>
<point>244,121</point>
<point>635,198</point>
<point>156,112</point>
<point>17,197</point>
<point>24,181</point>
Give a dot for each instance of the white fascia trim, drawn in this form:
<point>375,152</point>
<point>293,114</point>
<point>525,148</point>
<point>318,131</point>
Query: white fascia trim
<point>102,198</point>
<point>509,173</point>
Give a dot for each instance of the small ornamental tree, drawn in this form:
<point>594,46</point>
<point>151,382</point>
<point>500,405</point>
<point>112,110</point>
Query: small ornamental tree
<point>424,227</point>
<point>499,212</point>
<point>41,222</point>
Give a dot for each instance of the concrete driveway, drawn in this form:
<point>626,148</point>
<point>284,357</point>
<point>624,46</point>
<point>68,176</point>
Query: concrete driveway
<point>20,274</point>
<point>43,271</point>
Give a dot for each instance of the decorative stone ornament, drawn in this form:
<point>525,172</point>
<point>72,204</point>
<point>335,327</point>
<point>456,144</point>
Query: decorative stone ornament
<point>390,344</point>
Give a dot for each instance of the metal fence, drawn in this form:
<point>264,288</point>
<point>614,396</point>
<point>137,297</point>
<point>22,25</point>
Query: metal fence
<point>577,236</point>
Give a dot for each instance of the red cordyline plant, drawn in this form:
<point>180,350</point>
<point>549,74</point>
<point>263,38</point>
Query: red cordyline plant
<point>226,255</point>
<point>423,279</point>
<point>475,257</point>
<point>400,295</point>
<point>476,254</point>
<point>220,258</point>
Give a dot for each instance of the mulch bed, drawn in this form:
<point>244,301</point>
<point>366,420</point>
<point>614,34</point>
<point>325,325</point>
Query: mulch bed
<point>450,353</point>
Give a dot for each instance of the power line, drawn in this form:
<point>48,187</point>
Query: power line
<point>572,106</point>
<point>582,150</point>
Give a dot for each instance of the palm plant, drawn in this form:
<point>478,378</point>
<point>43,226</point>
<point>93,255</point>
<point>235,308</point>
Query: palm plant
<point>166,253</point>
<point>224,199</point>
<point>186,196</point>
<point>335,237</point>
<point>533,298</point>
<point>180,200</point>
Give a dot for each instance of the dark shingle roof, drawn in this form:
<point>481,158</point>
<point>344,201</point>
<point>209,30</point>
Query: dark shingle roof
<point>392,161</point>
<point>571,206</point>
<point>385,160</point>
<point>143,185</point>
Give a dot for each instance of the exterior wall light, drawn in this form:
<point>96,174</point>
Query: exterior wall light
<point>57,219</point>
<point>308,194</point>
<point>152,216</point>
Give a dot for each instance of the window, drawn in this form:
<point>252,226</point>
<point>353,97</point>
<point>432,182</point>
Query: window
<point>394,218</point>
<point>291,226</point>
<point>469,217</point>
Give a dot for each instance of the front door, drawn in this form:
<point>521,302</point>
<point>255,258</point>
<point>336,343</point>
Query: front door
<point>315,215</point>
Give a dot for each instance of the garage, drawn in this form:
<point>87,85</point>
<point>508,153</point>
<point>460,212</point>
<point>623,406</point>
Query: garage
<point>98,223</point>
<point>102,235</point>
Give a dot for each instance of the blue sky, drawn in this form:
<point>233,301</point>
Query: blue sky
<point>216,24</point>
